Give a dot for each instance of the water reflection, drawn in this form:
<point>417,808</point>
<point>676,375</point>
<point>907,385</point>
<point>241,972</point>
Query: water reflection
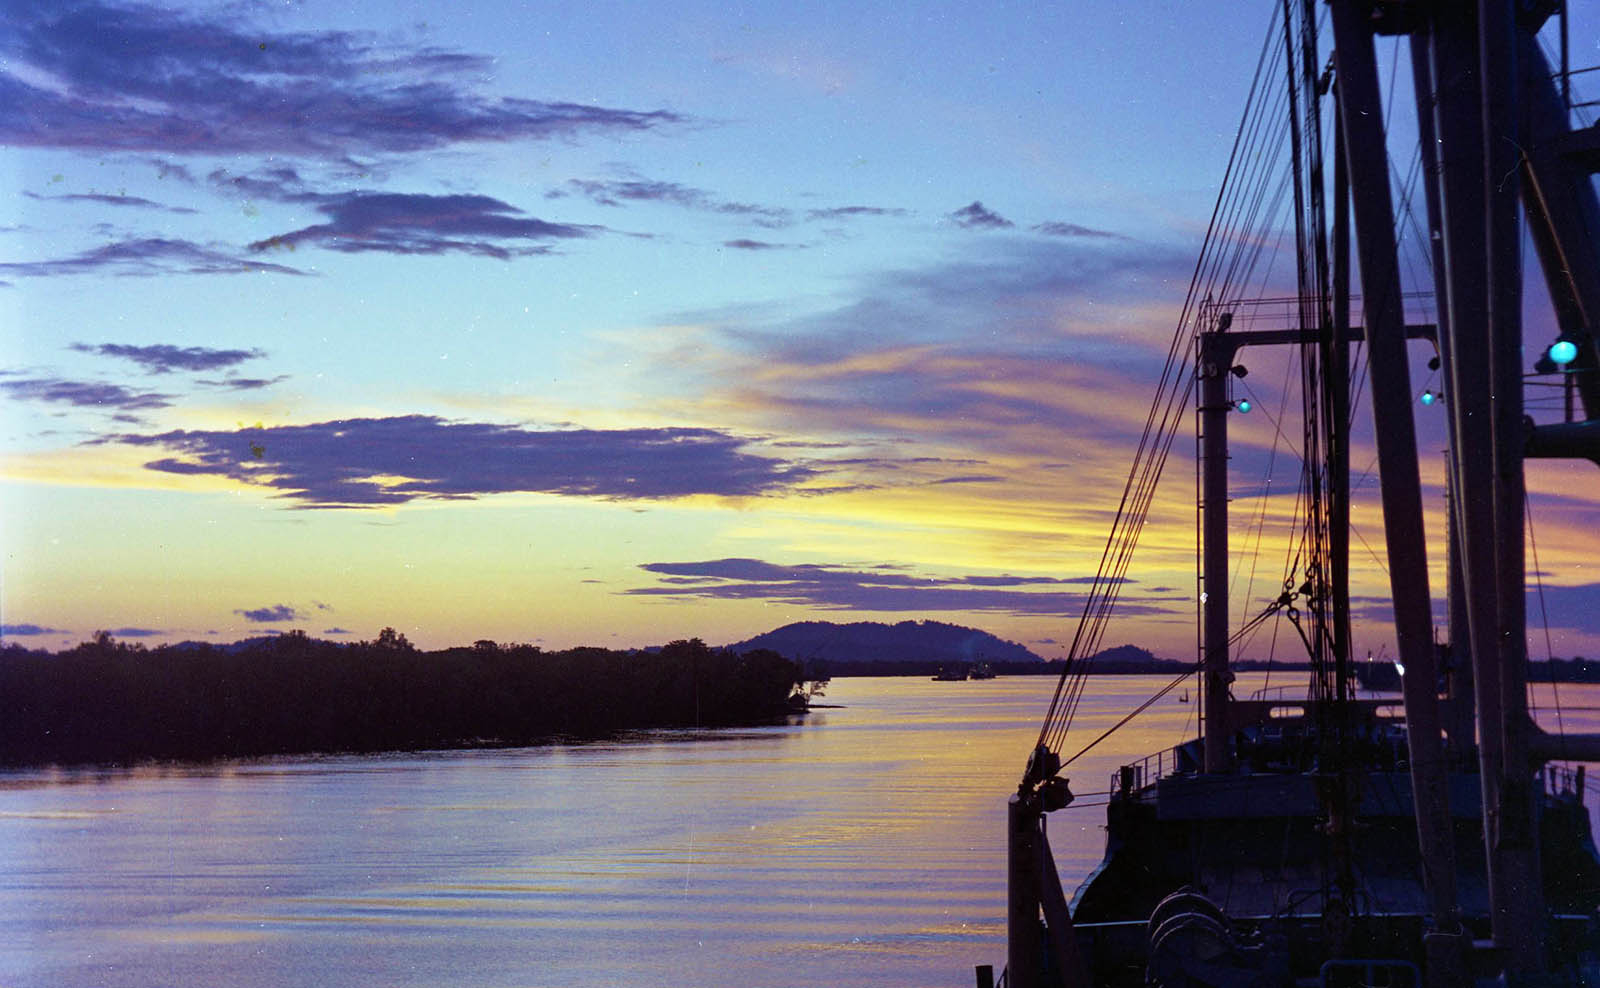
<point>864,845</point>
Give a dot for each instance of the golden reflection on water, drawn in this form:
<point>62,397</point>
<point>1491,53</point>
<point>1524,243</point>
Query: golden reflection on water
<point>863,845</point>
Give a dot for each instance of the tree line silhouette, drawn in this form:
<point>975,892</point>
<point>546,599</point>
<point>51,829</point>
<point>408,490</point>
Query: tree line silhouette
<point>109,701</point>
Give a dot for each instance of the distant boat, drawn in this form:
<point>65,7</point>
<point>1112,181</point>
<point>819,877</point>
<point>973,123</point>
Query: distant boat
<point>981,671</point>
<point>948,675</point>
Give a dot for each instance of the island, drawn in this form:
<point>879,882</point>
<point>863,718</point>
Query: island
<point>108,701</point>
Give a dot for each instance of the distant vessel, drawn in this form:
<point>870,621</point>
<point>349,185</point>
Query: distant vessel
<point>946,674</point>
<point>1314,838</point>
<point>1378,675</point>
<point>981,670</point>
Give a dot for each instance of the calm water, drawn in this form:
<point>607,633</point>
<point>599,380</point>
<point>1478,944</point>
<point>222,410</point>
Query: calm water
<point>861,846</point>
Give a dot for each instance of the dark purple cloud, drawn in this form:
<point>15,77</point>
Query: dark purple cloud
<point>270,614</point>
<point>163,358</point>
<point>84,394</point>
<point>28,630</point>
<point>335,464</point>
<point>133,76</point>
<point>1055,228</point>
<point>399,223</point>
<point>136,632</point>
<point>881,588</point>
<point>112,200</point>
<point>148,256</point>
<point>620,191</point>
<point>975,217</point>
<point>336,631</point>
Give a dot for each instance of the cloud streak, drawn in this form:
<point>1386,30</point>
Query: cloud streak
<point>618,192</point>
<point>134,76</point>
<point>1005,350</point>
<point>163,358</point>
<point>874,589</point>
<point>84,394</point>
<point>975,216</point>
<point>852,212</point>
<point>271,614</point>
<point>398,223</point>
<point>101,199</point>
<point>368,463</point>
<point>27,630</point>
<point>759,245</point>
<point>1056,228</point>
<point>242,383</point>
<point>147,257</point>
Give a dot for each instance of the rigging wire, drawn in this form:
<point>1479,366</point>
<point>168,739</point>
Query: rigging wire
<point>1549,648</point>
<point>1238,248</point>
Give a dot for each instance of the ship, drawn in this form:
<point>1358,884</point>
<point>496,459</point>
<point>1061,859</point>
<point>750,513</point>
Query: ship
<point>1318,837</point>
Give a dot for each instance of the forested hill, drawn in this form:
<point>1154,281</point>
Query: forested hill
<point>871,641</point>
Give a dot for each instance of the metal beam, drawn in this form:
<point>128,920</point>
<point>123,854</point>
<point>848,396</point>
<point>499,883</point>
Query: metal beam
<point>1563,216</point>
<point>1563,440</point>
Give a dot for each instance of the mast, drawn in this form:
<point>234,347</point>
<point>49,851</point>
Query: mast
<point>1214,365</point>
<point>1361,118</point>
<point>1522,901</point>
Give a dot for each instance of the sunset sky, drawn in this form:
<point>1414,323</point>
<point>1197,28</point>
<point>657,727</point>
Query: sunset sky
<point>613,323</point>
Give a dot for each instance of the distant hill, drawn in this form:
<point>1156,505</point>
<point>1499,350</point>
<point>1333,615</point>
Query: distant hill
<point>1132,659</point>
<point>922,642</point>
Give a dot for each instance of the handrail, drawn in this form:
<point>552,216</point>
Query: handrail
<point>1137,774</point>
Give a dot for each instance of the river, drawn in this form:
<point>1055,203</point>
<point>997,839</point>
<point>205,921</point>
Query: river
<point>860,845</point>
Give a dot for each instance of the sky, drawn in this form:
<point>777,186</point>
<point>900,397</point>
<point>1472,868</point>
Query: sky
<point>610,324</point>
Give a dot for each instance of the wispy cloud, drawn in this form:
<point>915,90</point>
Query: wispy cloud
<point>1005,350</point>
<point>103,199</point>
<point>242,383</point>
<point>136,632</point>
<point>398,223</point>
<point>975,479</point>
<point>758,245</point>
<point>271,614</point>
<point>1056,228</point>
<point>148,256</point>
<point>279,183</point>
<point>141,77</point>
<point>851,212</point>
<point>390,461</point>
<point>879,588</point>
<point>84,394</point>
<point>975,216</point>
<point>617,192</point>
<point>163,358</point>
